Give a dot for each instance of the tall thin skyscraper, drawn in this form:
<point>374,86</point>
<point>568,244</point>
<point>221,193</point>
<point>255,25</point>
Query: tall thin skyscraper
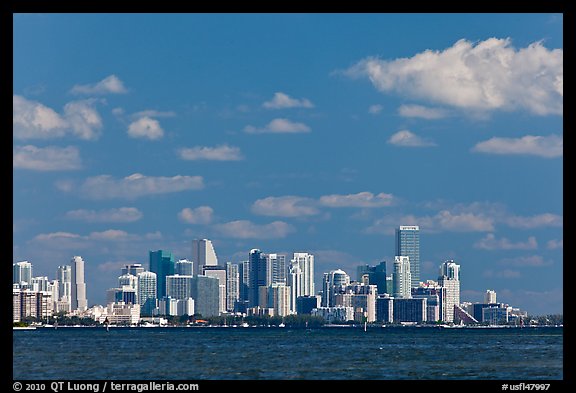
<point>218,272</point>
<point>232,285</point>
<point>306,263</point>
<point>162,263</point>
<point>64,277</point>
<point>260,275</point>
<point>244,281</point>
<point>78,290</point>
<point>277,264</point>
<point>22,272</point>
<point>402,277</point>
<point>203,254</point>
<point>408,245</point>
<point>147,293</point>
<point>179,287</point>
<point>450,279</point>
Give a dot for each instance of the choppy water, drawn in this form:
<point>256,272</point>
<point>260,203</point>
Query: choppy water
<point>281,353</point>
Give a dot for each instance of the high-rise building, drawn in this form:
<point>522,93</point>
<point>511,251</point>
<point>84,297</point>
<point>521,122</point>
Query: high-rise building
<point>206,294</point>
<point>385,308</point>
<point>147,292</point>
<point>184,267</point>
<point>203,254</point>
<point>64,277</point>
<point>450,279</point>
<point>332,283</point>
<point>435,295</point>
<point>232,286</point>
<point>279,299</point>
<point>408,245</point>
<point>133,269</point>
<point>490,296</point>
<point>277,264</point>
<point>305,262</point>
<point>410,310</point>
<point>162,263</point>
<point>22,272</point>
<point>129,280</point>
<point>260,275</point>
<point>376,275</point>
<point>402,277</point>
<point>178,287</point>
<point>218,272</point>
<point>305,304</point>
<point>78,287</point>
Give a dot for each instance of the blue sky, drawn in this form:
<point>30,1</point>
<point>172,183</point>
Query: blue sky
<point>290,133</point>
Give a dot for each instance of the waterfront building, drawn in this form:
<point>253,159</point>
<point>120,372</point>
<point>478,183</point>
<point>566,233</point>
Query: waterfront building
<point>218,272</point>
<point>162,263</point>
<point>408,245</point>
<point>22,273</point>
<point>436,299</point>
<point>78,285</point>
<point>125,294</point>
<point>385,308</point>
<point>203,254</point>
<point>64,277</point>
<point>305,304</point>
<point>28,303</point>
<point>333,284</point>
<point>450,279</point>
<point>147,296</point>
<point>131,281</point>
<point>120,313</point>
<point>232,286</point>
<point>178,287</point>
<point>477,310</point>
<point>402,277</point>
<point>336,314</point>
<point>410,310</point>
<point>279,299</point>
<point>496,315</point>
<point>206,295</point>
<point>305,262</point>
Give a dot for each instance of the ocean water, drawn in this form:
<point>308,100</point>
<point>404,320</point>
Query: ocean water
<point>401,353</point>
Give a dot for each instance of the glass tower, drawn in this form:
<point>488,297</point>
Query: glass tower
<point>408,245</point>
<point>162,263</point>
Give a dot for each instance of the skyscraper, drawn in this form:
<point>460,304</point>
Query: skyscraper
<point>232,285</point>
<point>133,269</point>
<point>203,254</point>
<point>218,272</point>
<point>184,267</point>
<point>450,279</point>
<point>408,245</point>
<point>22,272</point>
<point>376,275</point>
<point>244,281</point>
<point>205,292</point>
<point>147,292</point>
<point>306,263</point>
<point>64,277</point>
<point>178,287</point>
<point>260,275</point>
<point>162,263</point>
<point>490,296</point>
<point>277,264</point>
<point>78,286</point>
<point>402,277</point>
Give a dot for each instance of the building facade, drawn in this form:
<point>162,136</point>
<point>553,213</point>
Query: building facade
<point>408,244</point>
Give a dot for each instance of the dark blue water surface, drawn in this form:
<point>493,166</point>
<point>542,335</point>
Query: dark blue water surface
<point>282,353</point>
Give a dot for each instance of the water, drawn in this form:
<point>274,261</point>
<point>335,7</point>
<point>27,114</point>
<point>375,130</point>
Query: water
<point>280,353</point>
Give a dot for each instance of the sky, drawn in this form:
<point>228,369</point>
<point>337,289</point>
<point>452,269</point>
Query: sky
<point>316,133</point>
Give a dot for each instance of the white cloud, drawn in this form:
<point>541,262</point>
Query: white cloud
<point>375,109</point>
<point>282,100</point>
<point>409,139</point>
<point>543,146</point>
<point>486,75</point>
<point>33,120</point>
<point>421,112</point>
<point>555,244</point>
<point>199,215</point>
<point>109,85</point>
<point>489,242</point>
<point>537,221</point>
<point>50,158</point>
<point>464,222</point>
<point>278,126</point>
<point>526,261</point>
<point>362,199</point>
<point>133,186</point>
<point>145,127</point>
<point>153,113</point>
<point>284,206</point>
<point>122,214</point>
<point>244,229</point>
<point>111,235</point>
<point>218,153</point>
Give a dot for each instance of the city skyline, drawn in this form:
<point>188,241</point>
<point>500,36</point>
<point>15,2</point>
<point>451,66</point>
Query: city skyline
<point>310,138</point>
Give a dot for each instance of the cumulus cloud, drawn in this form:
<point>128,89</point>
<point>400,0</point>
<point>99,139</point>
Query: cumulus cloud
<point>362,199</point>
<point>199,215</point>
<point>122,214</point>
<point>555,244</point>
<point>218,153</point>
<point>99,239</point>
<point>278,126</point>
<point>50,158</point>
<point>542,146</point>
<point>282,100</point>
<point>244,229</point>
<point>145,127</point>
<point>421,112</point>
<point>486,75</point>
<point>409,139</point>
<point>489,242</point>
<point>109,85</point>
<point>133,186</point>
<point>33,120</point>
<point>536,221</point>
<point>152,113</point>
<point>285,206</point>
<point>526,261</point>
<point>375,109</point>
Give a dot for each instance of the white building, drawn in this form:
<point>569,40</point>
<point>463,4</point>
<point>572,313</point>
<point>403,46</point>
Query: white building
<point>402,278</point>
<point>279,299</point>
<point>490,297</point>
<point>78,285</point>
<point>120,313</point>
<point>335,314</point>
<point>450,279</point>
<point>203,254</point>
<point>218,272</point>
<point>178,287</point>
